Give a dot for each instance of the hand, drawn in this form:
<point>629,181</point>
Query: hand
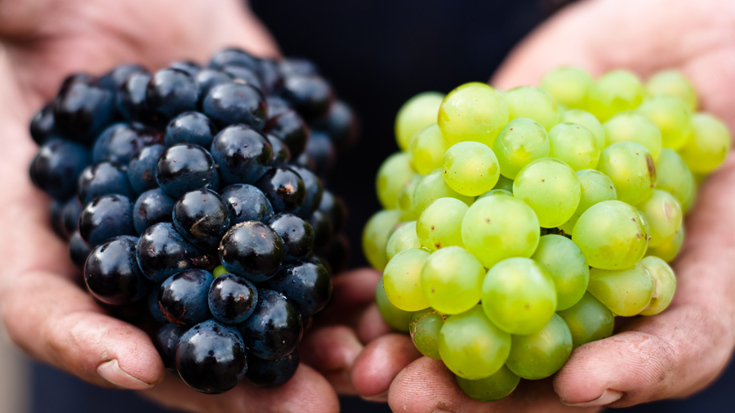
<point>673,354</point>
<point>43,309</point>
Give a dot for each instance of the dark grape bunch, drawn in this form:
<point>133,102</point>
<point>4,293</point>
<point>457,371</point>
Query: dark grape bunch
<point>193,198</point>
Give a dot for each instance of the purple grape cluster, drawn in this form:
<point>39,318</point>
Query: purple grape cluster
<point>193,199</point>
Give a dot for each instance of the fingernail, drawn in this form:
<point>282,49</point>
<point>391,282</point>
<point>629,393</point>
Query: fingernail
<point>111,371</point>
<point>441,411</point>
<point>382,397</point>
<point>607,397</point>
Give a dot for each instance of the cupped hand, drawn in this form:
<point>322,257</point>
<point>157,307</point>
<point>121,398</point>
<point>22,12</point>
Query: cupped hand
<point>670,355</point>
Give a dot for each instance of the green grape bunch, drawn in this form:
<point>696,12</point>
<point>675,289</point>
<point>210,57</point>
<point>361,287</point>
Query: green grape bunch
<point>517,225</point>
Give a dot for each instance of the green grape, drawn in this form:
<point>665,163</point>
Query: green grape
<point>504,183</point>
<point>496,192</point>
<point>518,296</point>
<point>664,282</point>
<point>498,227</point>
<point>416,114</point>
<point>672,116</point>
<point>392,176</point>
<point>588,320</point>
<point>612,235</point>
<point>470,168</point>
<point>575,145</point>
<point>520,142</point>
<point>405,199</point>
<point>551,188</point>
<point>427,149</point>
<point>596,187</point>
<point>631,126</point>
<point>708,145</point>
<point>631,169</point>
<point>403,238</point>
<point>440,224</point>
<point>568,85</point>
<point>625,292</point>
<point>432,187</point>
<point>669,249</point>
<point>673,175</point>
<point>588,120</point>
<point>564,262</point>
<point>614,92</point>
<point>472,112</point>
<point>471,346</point>
<point>424,329</point>
<point>401,280</point>
<point>375,236</point>
<point>532,103</point>
<point>492,388</point>
<point>672,83</point>
<point>396,318</point>
<point>664,217</point>
<point>539,355</point>
<point>219,270</point>
<point>452,280</point>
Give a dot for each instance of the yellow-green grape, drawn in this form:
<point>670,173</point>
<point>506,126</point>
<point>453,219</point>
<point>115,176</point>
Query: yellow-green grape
<point>375,236</point>
<point>631,126</point>
<point>568,85</point>
<point>673,175</point>
<point>219,270</point>
<point>708,145</point>
<point>416,114</point>
<point>424,329</point>
<point>612,235</point>
<point>405,199</point>
<point>392,176</point>
<point>672,83</point>
<point>664,217</point>
<point>631,169</point>
<point>504,183</point>
<point>490,389</point>
<point>596,187</point>
<point>427,149</point>
<point>472,112</point>
<point>532,103</point>
<point>498,227</point>
<point>520,142</point>
<point>396,318</point>
<point>496,192</point>
<point>664,282</point>
<point>614,92</point>
<point>564,262</point>
<point>575,145</point>
<point>452,280</point>
<point>672,116</point>
<point>403,238</point>
<point>432,187</point>
<point>440,224</point>
<point>470,168</point>
<point>588,320</point>
<point>471,346</point>
<point>539,355</point>
<point>518,296</point>
<point>625,292</point>
<point>586,119</point>
<point>551,188</point>
<point>401,280</point>
<point>669,249</point>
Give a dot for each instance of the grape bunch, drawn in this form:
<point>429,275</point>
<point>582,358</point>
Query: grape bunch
<point>518,224</point>
<point>192,198</point>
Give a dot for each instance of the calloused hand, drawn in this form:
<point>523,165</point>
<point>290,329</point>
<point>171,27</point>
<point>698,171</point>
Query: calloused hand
<point>670,355</point>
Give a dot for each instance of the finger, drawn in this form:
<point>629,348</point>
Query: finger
<point>332,350</point>
<point>426,385</point>
<point>307,391</point>
<point>379,363</point>
<point>56,322</point>
<point>372,325</point>
<point>351,292</point>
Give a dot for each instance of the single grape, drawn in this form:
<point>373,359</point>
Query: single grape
<point>106,217</point>
<point>669,249</point>
<point>541,354</point>
<point>470,168</point>
<point>440,224</point>
<point>472,112</point>
<point>242,154</point>
<point>392,176</point>
<point>396,318</point>
<point>182,297</point>
<point>272,373</point>
<point>306,283</point>
<point>586,119</point>
<point>231,298</point>
<point>504,183</point>
<point>708,144</point>
<point>185,167</point>
<point>427,149</point>
<point>575,145</point>
<point>403,238</point>
<point>631,169</point>
<point>375,236</point>
<point>151,207</point>
<point>492,388</point>
<point>405,199</point>
<point>664,282</point>
<point>596,187</point>
<point>588,320</point>
<point>518,143</point>
<point>104,178</point>
<point>424,328</point>
<point>275,327</point>
<point>673,175</point>
<point>112,274</point>
<point>496,192</point>
<point>625,292</point>
<point>297,235</point>
<point>518,296</point>
<point>416,114</point>
<point>671,82</point>
<point>202,217</point>
<point>166,339</point>
<point>252,250</point>
<point>432,187</point>
<point>564,262</point>
<point>664,217</point>
<point>451,280</point>
<point>551,188</point>
<point>532,103</point>
<point>219,270</point>
<point>614,92</point>
<point>142,168</point>
<point>671,115</point>
<point>471,346</point>
<point>402,280</point>
<point>568,85</point>
<point>632,126</point>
